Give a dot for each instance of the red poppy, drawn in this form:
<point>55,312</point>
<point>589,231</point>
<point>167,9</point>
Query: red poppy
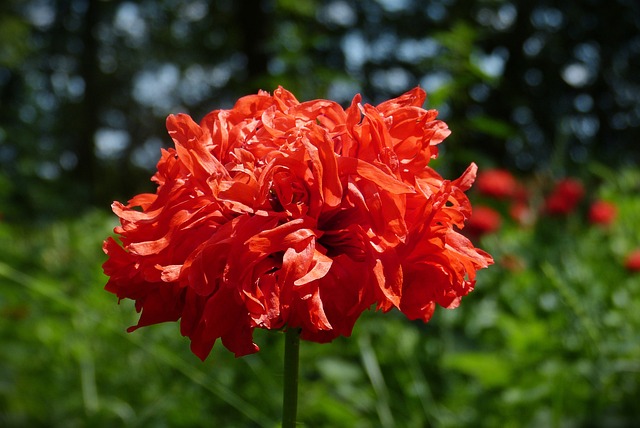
<point>483,220</point>
<point>277,214</point>
<point>497,183</point>
<point>565,197</point>
<point>632,261</point>
<point>602,213</point>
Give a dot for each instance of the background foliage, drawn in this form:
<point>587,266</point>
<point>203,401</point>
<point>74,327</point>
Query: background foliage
<point>547,90</point>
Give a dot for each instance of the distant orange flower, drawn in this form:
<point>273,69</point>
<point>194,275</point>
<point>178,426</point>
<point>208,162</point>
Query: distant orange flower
<point>497,183</point>
<point>632,261</point>
<point>602,213</point>
<point>279,214</point>
<point>565,197</point>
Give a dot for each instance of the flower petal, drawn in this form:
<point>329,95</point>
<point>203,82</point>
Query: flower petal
<point>320,267</point>
<point>354,166</point>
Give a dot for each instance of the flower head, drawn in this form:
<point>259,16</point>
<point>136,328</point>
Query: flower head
<point>565,197</point>
<point>632,261</point>
<point>483,220</point>
<point>497,183</point>
<point>602,213</point>
<point>281,214</point>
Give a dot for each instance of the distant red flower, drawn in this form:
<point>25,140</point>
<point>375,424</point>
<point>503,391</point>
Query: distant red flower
<point>565,197</point>
<point>483,220</point>
<point>602,212</point>
<point>278,214</point>
<point>632,261</point>
<point>497,183</point>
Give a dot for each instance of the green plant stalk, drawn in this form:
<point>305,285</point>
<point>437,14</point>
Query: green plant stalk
<point>291,367</point>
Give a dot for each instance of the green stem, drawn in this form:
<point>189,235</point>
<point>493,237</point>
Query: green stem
<point>290,390</point>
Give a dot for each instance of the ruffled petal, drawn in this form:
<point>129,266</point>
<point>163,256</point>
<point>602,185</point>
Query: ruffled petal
<point>280,214</point>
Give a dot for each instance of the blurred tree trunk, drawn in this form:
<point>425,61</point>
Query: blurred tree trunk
<point>254,26</point>
<point>88,113</point>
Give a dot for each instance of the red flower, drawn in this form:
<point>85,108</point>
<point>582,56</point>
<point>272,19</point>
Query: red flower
<point>278,214</point>
<point>483,220</point>
<point>497,183</point>
<point>632,261</point>
<point>565,197</point>
<point>602,212</point>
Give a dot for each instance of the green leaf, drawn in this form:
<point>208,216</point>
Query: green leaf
<point>492,126</point>
<point>490,369</point>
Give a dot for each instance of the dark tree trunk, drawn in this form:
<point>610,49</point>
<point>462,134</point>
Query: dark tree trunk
<point>88,113</point>
<point>254,25</point>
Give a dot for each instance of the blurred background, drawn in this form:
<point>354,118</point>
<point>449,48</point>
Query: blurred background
<point>543,96</point>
